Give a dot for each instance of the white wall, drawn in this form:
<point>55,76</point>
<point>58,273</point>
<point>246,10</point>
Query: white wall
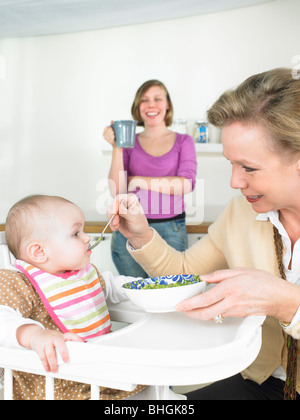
<point>60,91</point>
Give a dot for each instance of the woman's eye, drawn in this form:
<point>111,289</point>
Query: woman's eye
<point>247,169</point>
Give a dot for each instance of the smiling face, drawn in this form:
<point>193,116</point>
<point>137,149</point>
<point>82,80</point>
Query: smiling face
<point>267,180</point>
<point>154,106</point>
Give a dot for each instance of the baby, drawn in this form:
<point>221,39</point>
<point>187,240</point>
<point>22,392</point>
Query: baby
<point>57,293</point>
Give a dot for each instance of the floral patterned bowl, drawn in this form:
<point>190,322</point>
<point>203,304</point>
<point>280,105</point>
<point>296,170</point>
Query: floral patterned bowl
<point>161,294</point>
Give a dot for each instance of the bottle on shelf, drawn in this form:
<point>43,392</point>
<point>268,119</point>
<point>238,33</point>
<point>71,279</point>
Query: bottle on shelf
<point>201,132</point>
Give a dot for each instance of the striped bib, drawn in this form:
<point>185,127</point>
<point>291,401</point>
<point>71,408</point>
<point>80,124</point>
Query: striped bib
<point>74,299</point>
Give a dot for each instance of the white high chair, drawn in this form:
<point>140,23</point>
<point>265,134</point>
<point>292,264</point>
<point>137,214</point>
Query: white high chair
<point>27,361</point>
<point>156,349</point>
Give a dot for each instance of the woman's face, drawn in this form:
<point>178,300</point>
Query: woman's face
<point>154,106</point>
<point>267,180</point>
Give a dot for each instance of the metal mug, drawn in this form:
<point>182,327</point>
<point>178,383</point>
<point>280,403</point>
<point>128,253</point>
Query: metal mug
<point>125,133</point>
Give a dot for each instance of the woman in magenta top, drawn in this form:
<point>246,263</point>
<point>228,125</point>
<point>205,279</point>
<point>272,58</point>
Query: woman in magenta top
<point>160,169</point>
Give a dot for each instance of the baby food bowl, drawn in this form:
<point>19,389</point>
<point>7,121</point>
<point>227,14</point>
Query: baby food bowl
<point>162,294</point>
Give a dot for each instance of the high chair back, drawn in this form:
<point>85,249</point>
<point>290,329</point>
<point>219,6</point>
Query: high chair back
<point>6,262</point>
<point>6,258</point>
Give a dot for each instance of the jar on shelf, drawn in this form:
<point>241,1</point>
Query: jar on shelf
<point>179,126</point>
<point>201,132</point>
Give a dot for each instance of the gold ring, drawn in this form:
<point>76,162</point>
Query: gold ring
<point>219,319</point>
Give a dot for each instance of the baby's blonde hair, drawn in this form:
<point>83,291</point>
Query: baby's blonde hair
<point>24,218</point>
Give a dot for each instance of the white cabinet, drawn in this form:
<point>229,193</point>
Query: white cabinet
<point>209,148</point>
<point>194,238</point>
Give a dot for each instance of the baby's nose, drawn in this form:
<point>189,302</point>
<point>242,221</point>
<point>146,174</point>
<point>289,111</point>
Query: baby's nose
<point>86,238</point>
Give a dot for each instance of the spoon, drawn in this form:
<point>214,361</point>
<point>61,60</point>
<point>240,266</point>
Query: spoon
<point>102,234</point>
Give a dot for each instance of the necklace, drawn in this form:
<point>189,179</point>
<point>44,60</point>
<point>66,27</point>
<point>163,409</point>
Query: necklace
<point>290,392</point>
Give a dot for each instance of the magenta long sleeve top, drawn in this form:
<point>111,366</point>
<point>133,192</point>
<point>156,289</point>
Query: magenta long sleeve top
<point>180,161</point>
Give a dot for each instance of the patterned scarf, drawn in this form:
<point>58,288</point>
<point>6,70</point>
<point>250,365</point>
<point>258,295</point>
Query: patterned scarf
<point>290,392</point>
<point>74,299</point>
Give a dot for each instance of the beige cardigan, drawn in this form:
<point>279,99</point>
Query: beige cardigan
<point>236,239</point>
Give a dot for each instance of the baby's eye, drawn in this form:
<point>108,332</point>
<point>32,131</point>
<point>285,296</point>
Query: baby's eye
<point>76,234</point>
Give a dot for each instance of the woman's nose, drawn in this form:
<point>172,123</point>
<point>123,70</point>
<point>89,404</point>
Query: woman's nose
<point>151,103</point>
<point>238,181</point>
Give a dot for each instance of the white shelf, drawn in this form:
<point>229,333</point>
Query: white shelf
<point>209,147</point>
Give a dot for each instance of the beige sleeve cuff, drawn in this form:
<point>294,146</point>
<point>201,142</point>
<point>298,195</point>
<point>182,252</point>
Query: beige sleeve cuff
<point>293,328</point>
<point>155,257</point>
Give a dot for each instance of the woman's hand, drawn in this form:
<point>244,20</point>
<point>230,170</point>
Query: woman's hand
<point>130,220</point>
<point>45,343</point>
<point>109,135</point>
<point>242,292</point>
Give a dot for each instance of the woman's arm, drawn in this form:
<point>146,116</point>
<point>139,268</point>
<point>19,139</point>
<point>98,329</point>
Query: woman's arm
<point>181,183</point>
<point>160,259</point>
<point>117,177</point>
<point>176,185</point>
<point>151,251</point>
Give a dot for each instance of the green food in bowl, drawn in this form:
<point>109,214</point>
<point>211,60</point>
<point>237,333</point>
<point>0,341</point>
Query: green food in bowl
<point>168,286</point>
<point>165,282</point>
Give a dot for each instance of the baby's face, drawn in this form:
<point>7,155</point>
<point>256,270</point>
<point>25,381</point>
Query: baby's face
<point>67,244</point>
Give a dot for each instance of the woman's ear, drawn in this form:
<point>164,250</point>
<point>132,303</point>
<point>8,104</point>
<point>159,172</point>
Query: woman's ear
<point>36,253</point>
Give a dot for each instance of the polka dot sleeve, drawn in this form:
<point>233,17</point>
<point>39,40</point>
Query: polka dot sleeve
<point>16,292</point>
<point>15,306</point>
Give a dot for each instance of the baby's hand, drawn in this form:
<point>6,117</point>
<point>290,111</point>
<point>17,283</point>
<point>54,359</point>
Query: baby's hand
<point>45,343</point>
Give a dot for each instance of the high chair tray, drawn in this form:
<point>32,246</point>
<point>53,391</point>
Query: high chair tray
<point>157,349</point>
<point>172,349</point>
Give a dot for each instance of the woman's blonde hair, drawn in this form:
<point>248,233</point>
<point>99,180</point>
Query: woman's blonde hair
<point>270,99</point>
<point>135,109</point>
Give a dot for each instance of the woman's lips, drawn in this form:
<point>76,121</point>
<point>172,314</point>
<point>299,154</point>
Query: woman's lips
<point>253,198</point>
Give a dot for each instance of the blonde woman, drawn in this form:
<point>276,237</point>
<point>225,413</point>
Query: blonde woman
<point>252,251</point>
<point>160,169</point>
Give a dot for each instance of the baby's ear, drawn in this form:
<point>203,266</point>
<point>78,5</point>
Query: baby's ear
<point>36,253</point>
